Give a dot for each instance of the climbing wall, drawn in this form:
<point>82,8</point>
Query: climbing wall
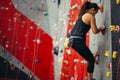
<point>30,29</point>
<point>73,65</point>
<point>36,10</point>
<point>115,22</point>
<point>52,22</point>
<point>103,71</point>
<point>23,43</point>
<point>58,11</point>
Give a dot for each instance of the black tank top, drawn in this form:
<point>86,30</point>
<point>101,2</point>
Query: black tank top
<point>80,29</point>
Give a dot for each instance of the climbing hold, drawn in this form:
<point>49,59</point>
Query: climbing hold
<point>71,24</point>
<point>61,51</point>
<point>22,67</point>
<point>59,1</point>
<point>31,77</point>
<point>0,32</point>
<point>3,49</point>
<point>85,78</point>
<point>72,78</point>
<point>65,68</point>
<point>37,60</point>
<point>101,8</point>
<point>119,41</point>
<point>84,61</point>
<point>117,1</point>
<point>38,41</point>
<point>31,27</point>
<point>68,14</point>
<point>74,23</point>
<point>114,54</point>
<point>45,13</point>
<point>74,6</point>
<point>66,76</point>
<point>12,67</point>
<point>56,50</point>
<point>53,0</point>
<point>6,45</point>
<point>76,60</point>
<point>61,73</point>
<point>109,65</point>
<point>107,53</point>
<point>6,8</point>
<point>65,61</point>
<point>59,60</point>
<point>66,43</point>
<point>30,7</point>
<point>112,27</point>
<point>108,74</point>
<point>9,28</point>
<point>116,28</point>
<point>69,18</point>
<point>68,51</point>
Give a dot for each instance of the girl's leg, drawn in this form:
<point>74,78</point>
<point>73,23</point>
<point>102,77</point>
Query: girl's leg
<point>90,76</point>
<point>84,51</point>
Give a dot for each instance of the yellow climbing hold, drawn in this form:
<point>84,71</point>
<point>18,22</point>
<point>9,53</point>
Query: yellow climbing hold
<point>114,54</point>
<point>107,53</point>
<point>112,27</point>
<point>108,74</point>
<point>117,1</point>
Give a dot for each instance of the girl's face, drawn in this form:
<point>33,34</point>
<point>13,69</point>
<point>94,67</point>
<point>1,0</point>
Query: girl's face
<point>95,11</point>
<point>92,11</point>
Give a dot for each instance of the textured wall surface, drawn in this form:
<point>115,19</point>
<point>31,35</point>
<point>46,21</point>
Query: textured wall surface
<point>102,42</point>
<point>115,20</point>
<point>35,10</point>
<point>73,65</point>
<point>24,44</point>
<point>48,16</point>
<point>58,18</point>
<point>51,16</point>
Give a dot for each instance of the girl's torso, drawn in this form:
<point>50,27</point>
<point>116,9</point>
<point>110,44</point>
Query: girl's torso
<point>81,27</point>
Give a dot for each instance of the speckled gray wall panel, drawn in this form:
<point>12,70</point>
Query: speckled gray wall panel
<point>58,18</point>
<point>102,42</point>
<point>34,10</point>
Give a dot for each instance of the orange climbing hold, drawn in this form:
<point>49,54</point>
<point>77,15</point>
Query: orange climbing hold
<point>109,65</point>
<point>101,8</point>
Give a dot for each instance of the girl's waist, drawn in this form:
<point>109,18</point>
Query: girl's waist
<point>79,37</point>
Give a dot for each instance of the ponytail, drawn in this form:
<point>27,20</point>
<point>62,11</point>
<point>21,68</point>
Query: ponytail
<point>86,6</point>
<point>83,9</point>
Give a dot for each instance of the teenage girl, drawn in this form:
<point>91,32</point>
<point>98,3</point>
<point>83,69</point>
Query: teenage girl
<point>86,20</point>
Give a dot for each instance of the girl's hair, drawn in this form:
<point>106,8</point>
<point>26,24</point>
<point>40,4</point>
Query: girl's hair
<point>86,6</point>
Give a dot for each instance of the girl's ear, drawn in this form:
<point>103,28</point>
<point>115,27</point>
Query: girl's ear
<point>93,9</point>
<point>86,10</point>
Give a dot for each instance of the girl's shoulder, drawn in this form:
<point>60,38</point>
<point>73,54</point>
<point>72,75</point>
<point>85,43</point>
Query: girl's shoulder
<point>88,14</point>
